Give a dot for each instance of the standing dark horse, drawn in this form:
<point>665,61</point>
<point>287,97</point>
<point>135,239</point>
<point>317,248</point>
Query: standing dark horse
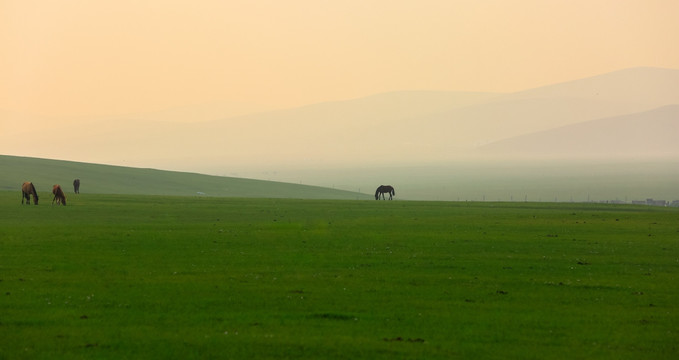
<point>59,195</point>
<point>382,189</point>
<point>27,189</point>
<point>76,186</point>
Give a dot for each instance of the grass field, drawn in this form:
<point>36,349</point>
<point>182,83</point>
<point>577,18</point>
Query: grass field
<point>129,276</point>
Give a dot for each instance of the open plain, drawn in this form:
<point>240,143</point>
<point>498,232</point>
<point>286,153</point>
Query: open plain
<point>131,276</point>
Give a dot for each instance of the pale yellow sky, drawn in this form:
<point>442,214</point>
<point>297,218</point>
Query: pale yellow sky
<point>71,58</point>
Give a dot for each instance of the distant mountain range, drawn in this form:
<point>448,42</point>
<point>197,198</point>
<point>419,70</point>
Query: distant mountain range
<point>627,113</point>
<point>647,134</point>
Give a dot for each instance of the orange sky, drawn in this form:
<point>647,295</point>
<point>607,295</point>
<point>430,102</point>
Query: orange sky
<point>71,58</point>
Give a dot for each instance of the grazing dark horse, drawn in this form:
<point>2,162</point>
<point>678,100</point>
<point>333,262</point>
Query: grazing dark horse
<point>382,189</point>
<point>76,186</point>
<point>27,189</point>
<point>59,195</point>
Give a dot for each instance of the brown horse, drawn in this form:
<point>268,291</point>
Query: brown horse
<point>27,189</point>
<point>59,195</point>
<point>76,186</point>
<point>382,189</point>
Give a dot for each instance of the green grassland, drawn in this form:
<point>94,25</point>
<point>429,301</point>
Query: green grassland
<point>107,179</point>
<point>115,276</point>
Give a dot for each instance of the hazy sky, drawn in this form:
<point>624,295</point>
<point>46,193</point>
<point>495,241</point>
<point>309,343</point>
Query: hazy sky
<point>87,58</point>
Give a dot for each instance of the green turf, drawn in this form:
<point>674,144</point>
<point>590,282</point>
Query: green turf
<point>106,179</point>
<point>123,276</point>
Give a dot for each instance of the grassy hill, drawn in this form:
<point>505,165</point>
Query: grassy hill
<point>106,179</point>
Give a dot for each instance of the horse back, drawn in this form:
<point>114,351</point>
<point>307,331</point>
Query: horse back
<point>29,188</point>
<point>57,191</point>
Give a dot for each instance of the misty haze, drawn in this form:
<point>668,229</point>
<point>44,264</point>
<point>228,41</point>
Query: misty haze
<point>420,140</point>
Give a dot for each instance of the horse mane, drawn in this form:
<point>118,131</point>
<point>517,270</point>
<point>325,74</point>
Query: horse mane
<point>35,192</point>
